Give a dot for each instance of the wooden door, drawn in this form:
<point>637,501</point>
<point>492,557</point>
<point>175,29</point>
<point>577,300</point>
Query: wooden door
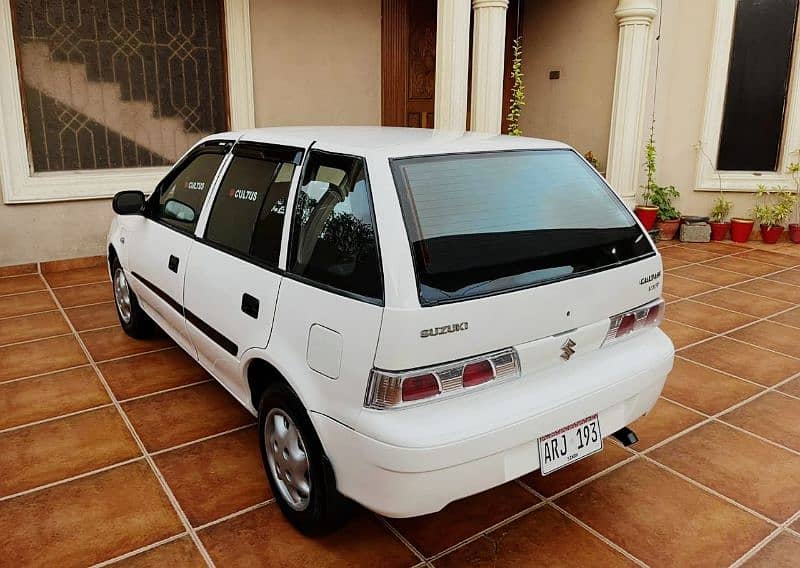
<point>408,62</point>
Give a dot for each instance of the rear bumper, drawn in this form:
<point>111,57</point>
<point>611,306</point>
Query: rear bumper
<point>476,443</point>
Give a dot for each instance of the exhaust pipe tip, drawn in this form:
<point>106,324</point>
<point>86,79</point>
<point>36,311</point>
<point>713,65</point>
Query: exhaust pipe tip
<point>626,436</point>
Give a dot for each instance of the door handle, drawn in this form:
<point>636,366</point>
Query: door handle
<point>173,263</point>
<point>250,305</point>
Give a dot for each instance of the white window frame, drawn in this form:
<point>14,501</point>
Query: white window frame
<point>708,177</point>
<point>21,185</point>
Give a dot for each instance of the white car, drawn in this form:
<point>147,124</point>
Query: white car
<point>414,316</point>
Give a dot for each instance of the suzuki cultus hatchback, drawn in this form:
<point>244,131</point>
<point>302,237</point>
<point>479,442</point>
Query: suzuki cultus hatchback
<point>415,316</point>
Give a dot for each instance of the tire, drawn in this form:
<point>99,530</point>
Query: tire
<point>131,316</point>
<point>321,508</point>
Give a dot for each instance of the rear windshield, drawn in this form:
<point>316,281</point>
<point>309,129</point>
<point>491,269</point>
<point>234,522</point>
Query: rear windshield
<point>485,223</point>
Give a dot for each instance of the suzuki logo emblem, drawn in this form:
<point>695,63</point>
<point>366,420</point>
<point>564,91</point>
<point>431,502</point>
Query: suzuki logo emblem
<point>567,350</point>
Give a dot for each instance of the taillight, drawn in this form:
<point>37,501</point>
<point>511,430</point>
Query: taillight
<point>417,388</point>
<point>392,390</point>
<point>477,373</point>
<point>627,323</point>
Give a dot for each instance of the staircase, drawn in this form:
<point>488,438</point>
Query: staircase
<point>102,101</point>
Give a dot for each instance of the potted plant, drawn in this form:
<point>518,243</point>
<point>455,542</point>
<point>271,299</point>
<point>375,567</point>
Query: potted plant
<point>794,228</point>
<point>772,209</point>
<point>669,218</point>
<point>660,197</point>
<point>717,218</point>
<point>647,212</point>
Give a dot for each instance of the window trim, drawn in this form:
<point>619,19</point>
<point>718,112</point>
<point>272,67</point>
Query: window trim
<point>218,146</point>
<point>21,185</point>
<point>202,232</point>
<point>290,252</point>
<point>708,178</point>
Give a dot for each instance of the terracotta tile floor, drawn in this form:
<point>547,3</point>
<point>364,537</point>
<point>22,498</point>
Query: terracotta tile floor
<point>124,452</point>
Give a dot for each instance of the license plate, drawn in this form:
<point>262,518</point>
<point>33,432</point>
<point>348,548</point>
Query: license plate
<point>570,444</point>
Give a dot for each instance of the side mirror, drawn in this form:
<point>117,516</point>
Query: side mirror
<point>179,211</point>
<point>128,203</point>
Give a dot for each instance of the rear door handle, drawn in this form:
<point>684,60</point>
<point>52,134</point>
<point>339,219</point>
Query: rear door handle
<point>173,263</point>
<point>250,305</point>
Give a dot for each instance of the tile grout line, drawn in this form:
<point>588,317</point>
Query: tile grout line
<point>58,482</point>
<point>28,314</point>
<point>87,364</point>
<point>99,406</point>
<point>54,418</point>
<point>137,551</point>
<point>727,374</point>
<point>784,526</point>
<point>608,542</point>
<point>709,418</point>
<point>162,481</point>
<point>35,339</point>
<point>709,490</point>
<point>543,502</point>
<point>166,390</point>
<point>399,536</point>
<point>540,504</point>
<point>235,514</point>
<point>203,439</point>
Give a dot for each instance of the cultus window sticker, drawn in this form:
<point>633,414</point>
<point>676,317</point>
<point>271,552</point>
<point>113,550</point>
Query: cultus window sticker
<point>243,194</point>
<point>197,185</point>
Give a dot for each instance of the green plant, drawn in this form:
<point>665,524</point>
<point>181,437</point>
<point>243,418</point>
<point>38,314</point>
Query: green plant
<point>773,207</point>
<point>660,196</point>
<point>517,89</point>
<point>592,160</point>
<point>794,169</point>
<point>721,210</point>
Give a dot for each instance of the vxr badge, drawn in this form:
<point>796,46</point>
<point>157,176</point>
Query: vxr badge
<point>568,349</point>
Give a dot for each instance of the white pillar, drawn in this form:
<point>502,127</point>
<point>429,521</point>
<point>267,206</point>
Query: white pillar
<point>488,59</point>
<point>452,64</point>
<point>630,88</point>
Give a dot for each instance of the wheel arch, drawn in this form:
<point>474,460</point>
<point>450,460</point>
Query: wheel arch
<point>260,374</point>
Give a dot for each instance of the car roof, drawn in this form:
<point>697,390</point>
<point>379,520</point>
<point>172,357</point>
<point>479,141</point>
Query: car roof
<point>388,141</point>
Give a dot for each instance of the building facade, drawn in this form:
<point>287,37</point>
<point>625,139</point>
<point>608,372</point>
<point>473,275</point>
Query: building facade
<point>103,96</point>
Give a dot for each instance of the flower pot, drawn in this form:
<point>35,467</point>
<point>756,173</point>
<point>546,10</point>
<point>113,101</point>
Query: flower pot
<point>719,231</point>
<point>668,228</point>
<point>741,229</point>
<point>647,215</point>
<point>794,232</point>
<point>771,234</point>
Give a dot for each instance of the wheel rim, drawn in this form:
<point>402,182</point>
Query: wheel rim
<point>287,458</point>
<point>122,295</point>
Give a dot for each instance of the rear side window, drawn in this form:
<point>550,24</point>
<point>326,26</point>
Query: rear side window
<point>250,205</point>
<point>488,222</point>
<point>182,194</point>
<point>333,237</point>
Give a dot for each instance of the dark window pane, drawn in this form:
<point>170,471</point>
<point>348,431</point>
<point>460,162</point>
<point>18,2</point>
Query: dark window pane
<point>249,208</point>
<point>487,222</point>
<point>145,80</point>
<point>187,187</point>
<point>758,79</point>
<point>266,244</point>
<point>334,236</point>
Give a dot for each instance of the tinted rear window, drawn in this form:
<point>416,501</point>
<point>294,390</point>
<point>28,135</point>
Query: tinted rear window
<point>483,223</point>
